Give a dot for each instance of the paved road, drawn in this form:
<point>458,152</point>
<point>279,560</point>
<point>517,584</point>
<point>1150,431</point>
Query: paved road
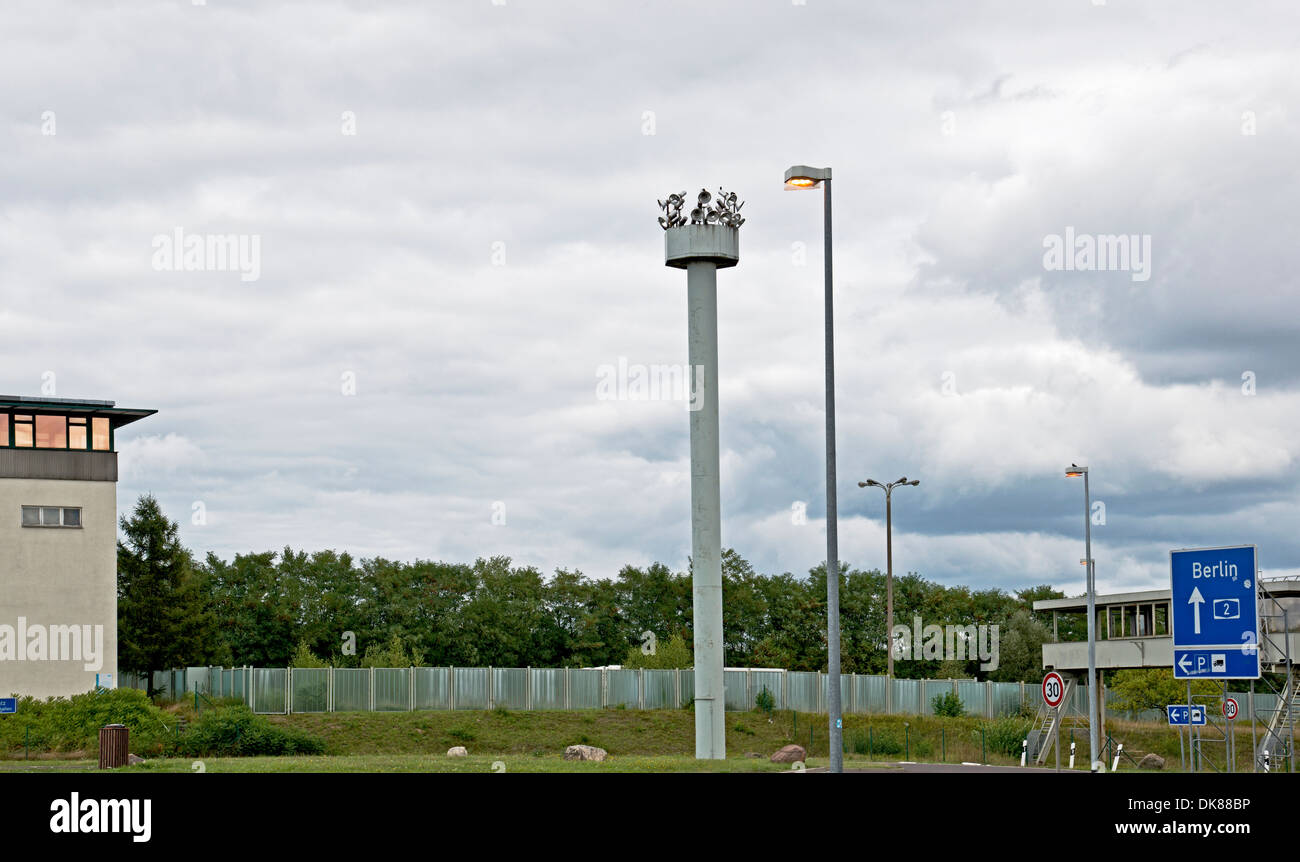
<point>948,767</point>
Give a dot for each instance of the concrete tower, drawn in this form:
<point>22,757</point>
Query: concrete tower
<point>58,544</point>
<point>701,246</point>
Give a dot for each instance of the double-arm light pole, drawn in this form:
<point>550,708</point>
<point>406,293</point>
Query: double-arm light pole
<point>804,177</point>
<point>1094,729</point>
<point>889,559</point>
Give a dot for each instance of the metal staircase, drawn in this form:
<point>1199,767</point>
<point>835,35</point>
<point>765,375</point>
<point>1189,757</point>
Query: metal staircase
<point>1276,745</point>
<point>1040,738</point>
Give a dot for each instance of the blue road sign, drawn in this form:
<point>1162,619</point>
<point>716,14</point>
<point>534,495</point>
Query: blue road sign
<point>1181,714</point>
<point>8,705</point>
<point>1214,613</point>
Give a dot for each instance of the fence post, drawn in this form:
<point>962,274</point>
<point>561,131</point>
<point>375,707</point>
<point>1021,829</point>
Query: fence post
<point>568,696</point>
<point>785,692</point>
<point>410,688</point>
<point>604,688</point>
<point>818,700</point>
<point>528,687</point>
<point>288,690</point>
<point>640,688</point>
<point>489,687</point>
<point>451,687</point>
<point>677,688</point>
<point>329,690</point>
<point>372,689</point>
<point>889,695</point>
<point>749,688</point>
<point>988,698</point>
<point>920,697</point>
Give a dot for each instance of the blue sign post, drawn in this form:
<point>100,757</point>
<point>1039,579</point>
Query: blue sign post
<point>1214,613</point>
<point>1181,714</point>
<point>8,705</point>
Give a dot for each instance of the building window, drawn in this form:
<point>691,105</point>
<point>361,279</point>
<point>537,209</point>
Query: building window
<point>51,432</point>
<point>4,429</point>
<point>99,436</point>
<point>23,432</point>
<point>77,433</point>
<point>51,516</point>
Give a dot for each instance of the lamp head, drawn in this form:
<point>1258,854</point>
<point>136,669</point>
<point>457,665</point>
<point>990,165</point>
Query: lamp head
<point>804,177</point>
<point>1075,471</point>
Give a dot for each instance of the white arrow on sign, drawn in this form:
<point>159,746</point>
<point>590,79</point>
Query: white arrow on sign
<point>1182,661</point>
<point>1197,600</point>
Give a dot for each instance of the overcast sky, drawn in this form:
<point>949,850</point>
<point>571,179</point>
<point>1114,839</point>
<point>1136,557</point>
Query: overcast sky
<point>454,210</point>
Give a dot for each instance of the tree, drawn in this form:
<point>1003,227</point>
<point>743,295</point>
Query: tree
<point>1152,688</point>
<point>667,656</point>
<point>164,616</point>
<point>1020,648</point>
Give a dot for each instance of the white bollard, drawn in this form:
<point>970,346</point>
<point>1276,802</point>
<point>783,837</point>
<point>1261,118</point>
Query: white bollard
<point>1115,764</point>
<point>1072,755</point>
<point>1024,750</point>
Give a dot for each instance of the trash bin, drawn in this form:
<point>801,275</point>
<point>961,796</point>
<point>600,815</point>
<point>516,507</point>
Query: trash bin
<point>114,746</point>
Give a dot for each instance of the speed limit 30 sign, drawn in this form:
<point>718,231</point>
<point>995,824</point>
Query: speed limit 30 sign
<point>1053,689</point>
<point>1230,708</point>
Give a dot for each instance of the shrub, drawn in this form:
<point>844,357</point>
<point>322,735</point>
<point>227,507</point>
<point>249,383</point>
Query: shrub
<point>881,742</point>
<point>1005,734</point>
<point>673,653</point>
<point>461,734</point>
<point>236,731</point>
<point>71,724</point>
<point>391,654</point>
<point>948,705</point>
<point>304,657</point>
<point>764,702</point>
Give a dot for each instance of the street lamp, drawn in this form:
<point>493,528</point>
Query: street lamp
<point>1094,731</point>
<point>889,557</point>
<point>796,178</point>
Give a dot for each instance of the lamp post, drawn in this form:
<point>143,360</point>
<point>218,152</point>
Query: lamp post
<point>804,177</point>
<point>1094,731</point>
<point>889,559</point>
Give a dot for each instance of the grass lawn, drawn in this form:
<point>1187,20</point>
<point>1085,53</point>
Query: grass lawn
<point>637,741</point>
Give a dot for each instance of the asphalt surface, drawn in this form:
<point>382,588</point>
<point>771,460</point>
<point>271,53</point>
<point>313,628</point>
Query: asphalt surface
<point>948,767</point>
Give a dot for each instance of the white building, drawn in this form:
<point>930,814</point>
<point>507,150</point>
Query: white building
<point>58,544</point>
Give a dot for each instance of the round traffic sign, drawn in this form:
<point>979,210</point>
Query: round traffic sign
<point>1230,708</point>
<point>1053,689</point>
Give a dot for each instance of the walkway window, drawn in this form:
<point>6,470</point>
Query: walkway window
<point>1161,628</point>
